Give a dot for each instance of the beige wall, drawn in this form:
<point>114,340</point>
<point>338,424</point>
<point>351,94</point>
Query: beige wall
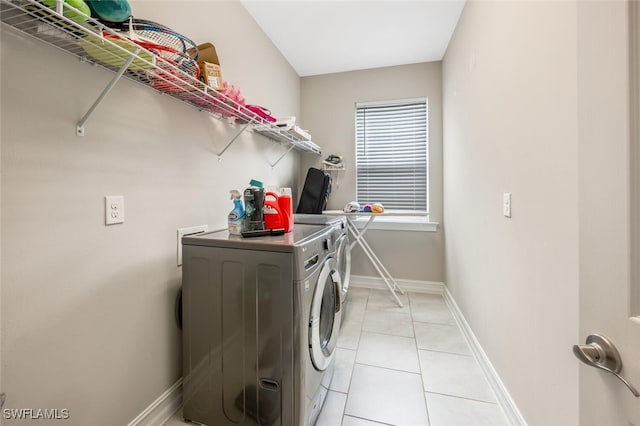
<point>88,310</point>
<point>510,125</point>
<point>328,108</point>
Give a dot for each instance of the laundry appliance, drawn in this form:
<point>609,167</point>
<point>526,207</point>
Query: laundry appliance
<point>261,318</point>
<point>341,241</point>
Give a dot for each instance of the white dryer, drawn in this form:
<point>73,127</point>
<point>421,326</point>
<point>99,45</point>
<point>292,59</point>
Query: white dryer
<point>261,318</point>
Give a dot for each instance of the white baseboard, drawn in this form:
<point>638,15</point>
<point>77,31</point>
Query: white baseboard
<point>415,286</point>
<point>160,410</point>
<point>502,394</point>
<point>505,401</point>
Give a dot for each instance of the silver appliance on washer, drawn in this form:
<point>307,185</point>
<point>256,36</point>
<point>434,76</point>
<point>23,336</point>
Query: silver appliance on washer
<point>341,240</point>
<point>261,318</point>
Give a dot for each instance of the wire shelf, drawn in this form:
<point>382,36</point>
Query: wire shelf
<point>287,135</point>
<point>332,167</point>
<point>93,42</point>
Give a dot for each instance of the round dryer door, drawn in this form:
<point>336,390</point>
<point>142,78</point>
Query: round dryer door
<point>344,263</point>
<point>326,315</point>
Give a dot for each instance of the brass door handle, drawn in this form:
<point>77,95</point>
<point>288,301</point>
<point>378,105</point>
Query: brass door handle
<point>600,353</point>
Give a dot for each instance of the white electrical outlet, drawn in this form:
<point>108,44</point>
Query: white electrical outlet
<point>113,209</point>
<point>188,231</point>
<point>506,204</point>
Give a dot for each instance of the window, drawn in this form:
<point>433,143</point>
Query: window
<point>391,154</point>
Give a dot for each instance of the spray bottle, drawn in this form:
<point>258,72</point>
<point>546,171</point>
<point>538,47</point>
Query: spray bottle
<point>236,216</point>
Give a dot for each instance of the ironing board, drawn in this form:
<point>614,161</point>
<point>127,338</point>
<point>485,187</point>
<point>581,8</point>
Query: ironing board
<point>358,236</point>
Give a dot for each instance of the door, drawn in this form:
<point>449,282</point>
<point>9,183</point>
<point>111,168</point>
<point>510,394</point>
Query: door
<point>325,316</point>
<point>608,193</point>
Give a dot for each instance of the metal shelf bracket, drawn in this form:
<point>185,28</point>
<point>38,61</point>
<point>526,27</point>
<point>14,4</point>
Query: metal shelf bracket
<point>105,92</point>
<point>232,141</point>
<point>283,155</point>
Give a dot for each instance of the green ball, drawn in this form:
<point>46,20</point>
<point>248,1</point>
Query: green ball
<point>78,4</point>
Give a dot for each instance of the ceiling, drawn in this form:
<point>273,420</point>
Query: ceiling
<point>323,37</point>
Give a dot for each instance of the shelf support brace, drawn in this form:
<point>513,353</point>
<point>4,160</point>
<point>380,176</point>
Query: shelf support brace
<point>105,92</point>
<point>283,155</point>
<point>232,141</point>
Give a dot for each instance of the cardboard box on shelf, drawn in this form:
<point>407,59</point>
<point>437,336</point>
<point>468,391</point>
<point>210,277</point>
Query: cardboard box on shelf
<point>210,72</point>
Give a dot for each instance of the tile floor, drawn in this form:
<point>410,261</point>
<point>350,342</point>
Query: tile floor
<point>404,366</point>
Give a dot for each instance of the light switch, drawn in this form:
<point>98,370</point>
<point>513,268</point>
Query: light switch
<point>506,204</point>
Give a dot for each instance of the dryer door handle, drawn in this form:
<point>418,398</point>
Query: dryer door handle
<point>335,278</point>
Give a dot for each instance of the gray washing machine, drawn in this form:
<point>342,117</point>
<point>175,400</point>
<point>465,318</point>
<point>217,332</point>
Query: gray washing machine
<point>261,318</point>
<point>341,241</point>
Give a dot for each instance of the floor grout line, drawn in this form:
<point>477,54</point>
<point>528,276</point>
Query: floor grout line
<point>461,397</point>
<point>364,418</point>
<point>385,368</point>
<point>445,352</point>
<point>356,354</point>
<point>386,334</point>
<point>413,325</point>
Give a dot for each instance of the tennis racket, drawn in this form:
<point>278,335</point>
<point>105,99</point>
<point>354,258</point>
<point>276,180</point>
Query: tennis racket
<point>170,76</point>
<point>149,31</point>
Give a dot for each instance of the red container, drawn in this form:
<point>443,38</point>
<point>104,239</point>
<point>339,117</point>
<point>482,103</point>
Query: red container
<point>286,207</point>
<point>274,215</point>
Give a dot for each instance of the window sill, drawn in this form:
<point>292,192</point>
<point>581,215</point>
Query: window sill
<point>398,223</point>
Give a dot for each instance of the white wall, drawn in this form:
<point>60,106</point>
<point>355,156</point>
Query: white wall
<point>88,310</point>
<point>328,107</point>
<point>510,125</point>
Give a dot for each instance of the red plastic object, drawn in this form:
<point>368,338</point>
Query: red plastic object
<point>286,206</point>
<point>273,214</point>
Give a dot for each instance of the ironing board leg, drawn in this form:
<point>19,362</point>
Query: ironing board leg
<point>382,271</point>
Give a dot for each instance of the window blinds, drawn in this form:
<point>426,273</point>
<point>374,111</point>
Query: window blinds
<point>391,154</point>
